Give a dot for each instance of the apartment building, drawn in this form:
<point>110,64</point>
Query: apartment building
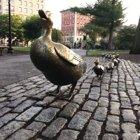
<point>24,8</point>
<point>71,22</point>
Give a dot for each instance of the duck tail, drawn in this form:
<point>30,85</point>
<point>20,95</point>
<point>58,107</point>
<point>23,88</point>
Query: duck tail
<point>84,66</point>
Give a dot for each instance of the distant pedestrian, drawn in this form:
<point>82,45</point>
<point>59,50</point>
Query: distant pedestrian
<point>85,46</point>
<point>1,42</point>
<point>79,45</point>
<point>74,44</point>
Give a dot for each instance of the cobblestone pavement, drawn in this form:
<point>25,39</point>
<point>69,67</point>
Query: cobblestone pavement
<point>99,110</point>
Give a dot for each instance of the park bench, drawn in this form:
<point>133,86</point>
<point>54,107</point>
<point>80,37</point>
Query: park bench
<point>2,48</point>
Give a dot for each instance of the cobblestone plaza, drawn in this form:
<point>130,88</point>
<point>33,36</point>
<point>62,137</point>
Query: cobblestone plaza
<point>107,109</point>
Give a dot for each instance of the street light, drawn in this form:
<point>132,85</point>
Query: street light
<point>10,49</point>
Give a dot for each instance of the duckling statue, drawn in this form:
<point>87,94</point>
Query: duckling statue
<point>117,55</point>
<point>98,69</point>
<point>116,62</point>
<point>110,67</point>
<point>109,57</point>
<point>60,65</point>
<point>103,55</point>
<point>106,56</point>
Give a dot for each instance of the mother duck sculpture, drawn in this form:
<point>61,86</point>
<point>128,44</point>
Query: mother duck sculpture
<point>60,65</point>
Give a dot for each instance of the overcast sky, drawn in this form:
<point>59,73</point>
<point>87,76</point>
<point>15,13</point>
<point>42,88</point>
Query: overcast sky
<point>55,6</point>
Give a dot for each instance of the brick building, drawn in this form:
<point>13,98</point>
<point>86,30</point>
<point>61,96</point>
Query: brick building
<point>70,23</point>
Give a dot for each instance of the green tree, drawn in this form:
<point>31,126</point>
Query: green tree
<point>4,25</point>
<point>93,31</point>
<point>32,28</point>
<point>103,44</point>
<point>16,30</point>
<point>107,14</point>
<point>125,37</point>
<point>57,35</point>
<point>136,46</point>
<point>71,39</point>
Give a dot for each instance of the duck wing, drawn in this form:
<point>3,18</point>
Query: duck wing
<point>67,54</point>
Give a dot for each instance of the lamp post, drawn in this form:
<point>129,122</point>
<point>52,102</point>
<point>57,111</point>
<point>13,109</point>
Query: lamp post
<point>10,49</point>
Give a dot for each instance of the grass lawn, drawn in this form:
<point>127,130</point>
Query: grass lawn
<point>99,52</point>
<point>26,49</point>
<point>90,52</point>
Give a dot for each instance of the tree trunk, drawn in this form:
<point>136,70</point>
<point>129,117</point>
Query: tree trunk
<point>136,47</point>
<point>111,30</point>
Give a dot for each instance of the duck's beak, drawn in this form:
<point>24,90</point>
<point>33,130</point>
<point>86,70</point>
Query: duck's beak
<point>42,14</point>
<point>45,19</point>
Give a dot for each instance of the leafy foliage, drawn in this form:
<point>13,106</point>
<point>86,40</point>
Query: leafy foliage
<point>71,39</point>
<point>4,25</point>
<point>107,14</point>
<point>32,27</point>
<point>92,30</point>
<point>16,29</point>
<point>136,46</point>
<point>57,35</point>
<point>103,44</point>
<point>125,37</point>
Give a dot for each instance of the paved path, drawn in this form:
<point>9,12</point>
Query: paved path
<point>17,68</point>
<point>80,52</point>
<point>99,110</point>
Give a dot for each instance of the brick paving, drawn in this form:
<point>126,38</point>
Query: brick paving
<point>99,110</point>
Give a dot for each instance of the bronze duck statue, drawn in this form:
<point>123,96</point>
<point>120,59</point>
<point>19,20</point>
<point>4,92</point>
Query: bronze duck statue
<point>98,69</point>
<point>60,65</point>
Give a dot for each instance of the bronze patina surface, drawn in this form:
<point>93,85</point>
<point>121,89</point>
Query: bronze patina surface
<point>59,64</point>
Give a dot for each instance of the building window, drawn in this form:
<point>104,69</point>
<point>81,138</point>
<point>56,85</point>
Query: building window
<point>31,11</point>
<point>25,10</point>
<point>12,1</point>
<point>6,7</point>
<point>12,8</point>
<point>20,2</point>
<point>37,0</point>
<point>41,1</point>
<point>31,4</point>
<point>41,6</point>
<point>25,3</point>
<point>20,9</point>
<point>37,5</point>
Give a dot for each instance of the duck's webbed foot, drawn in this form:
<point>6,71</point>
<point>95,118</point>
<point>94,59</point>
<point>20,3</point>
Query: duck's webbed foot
<point>100,78</point>
<point>55,92</point>
<point>96,77</point>
<point>68,96</point>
